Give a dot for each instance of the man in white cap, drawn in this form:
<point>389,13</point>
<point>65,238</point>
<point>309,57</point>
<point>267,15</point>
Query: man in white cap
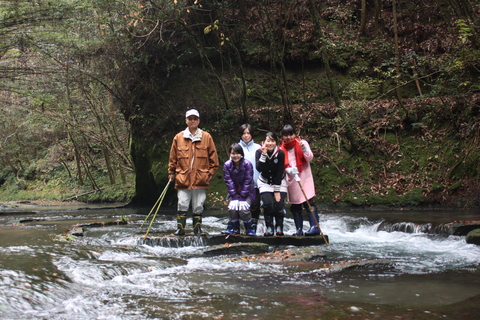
<point>193,162</point>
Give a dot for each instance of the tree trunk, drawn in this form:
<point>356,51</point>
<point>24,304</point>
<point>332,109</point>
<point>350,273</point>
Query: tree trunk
<point>398,83</point>
<point>111,173</point>
<point>333,86</point>
<point>363,20</point>
<point>378,10</point>
<point>7,159</point>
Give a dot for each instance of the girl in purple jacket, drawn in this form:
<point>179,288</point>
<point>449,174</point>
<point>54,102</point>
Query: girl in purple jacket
<point>238,176</point>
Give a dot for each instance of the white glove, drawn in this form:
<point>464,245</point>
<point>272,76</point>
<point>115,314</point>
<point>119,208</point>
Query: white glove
<point>297,177</point>
<point>233,205</point>
<point>292,170</point>
<point>243,205</point>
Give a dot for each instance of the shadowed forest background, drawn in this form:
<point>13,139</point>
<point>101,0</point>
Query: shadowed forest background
<point>387,93</point>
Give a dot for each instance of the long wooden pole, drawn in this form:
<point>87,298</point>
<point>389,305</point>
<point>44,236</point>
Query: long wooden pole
<point>157,206</point>
<point>311,210</point>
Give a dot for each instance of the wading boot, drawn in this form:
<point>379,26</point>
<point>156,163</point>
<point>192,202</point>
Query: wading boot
<point>181,221</point>
<point>233,227</point>
<point>269,225</point>
<point>298,219</point>
<point>313,219</point>
<point>197,226</point>
<point>229,229</point>
<point>249,231</point>
<point>279,226</point>
<point>254,226</point>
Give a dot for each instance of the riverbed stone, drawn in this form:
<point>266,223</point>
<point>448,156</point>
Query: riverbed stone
<point>286,256</point>
<point>352,264</point>
<point>473,237</point>
<point>76,231</point>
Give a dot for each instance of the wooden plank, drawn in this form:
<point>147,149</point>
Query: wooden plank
<point>237,248</point>
<point>217,239</point>
<point>273,241</point>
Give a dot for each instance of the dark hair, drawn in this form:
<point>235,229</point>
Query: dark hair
<point>236,148</point>
<point>243,127</point>
<point>287,130</point>
<point>272,135</point>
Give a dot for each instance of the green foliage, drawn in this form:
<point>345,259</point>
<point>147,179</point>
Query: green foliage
<point>107,83</point>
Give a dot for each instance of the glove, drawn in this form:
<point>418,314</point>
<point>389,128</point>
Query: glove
<point>233,205</point>
<point>292,170</point>
<point>243,205</point>
<point>297,177</point>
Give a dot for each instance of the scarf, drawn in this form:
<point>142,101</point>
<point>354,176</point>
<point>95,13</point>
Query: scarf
<point>300,159</point>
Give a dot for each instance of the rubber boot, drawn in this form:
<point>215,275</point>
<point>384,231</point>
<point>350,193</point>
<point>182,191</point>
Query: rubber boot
<point>313,219</point>
<point>249,231</point>
<point>197,226</point>
<point>254,226</point>
<point>229,229</point>
<point>181,221</point>
<point>298,219</point>
<point>233,227</point>
<point>269,226</point>
<point>279,226</point>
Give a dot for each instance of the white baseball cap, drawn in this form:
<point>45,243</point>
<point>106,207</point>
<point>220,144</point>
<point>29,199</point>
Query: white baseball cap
<point>192,112</point>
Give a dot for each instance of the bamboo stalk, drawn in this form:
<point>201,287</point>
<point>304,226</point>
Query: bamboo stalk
<point>155,207</point>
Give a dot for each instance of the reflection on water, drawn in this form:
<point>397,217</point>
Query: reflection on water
<point>110,273</point>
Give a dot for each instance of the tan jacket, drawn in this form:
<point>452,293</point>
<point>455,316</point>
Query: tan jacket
<point>192,159</point>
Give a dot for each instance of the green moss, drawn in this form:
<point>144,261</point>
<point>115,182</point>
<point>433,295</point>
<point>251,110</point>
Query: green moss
<point>413,197</point>
<point>456,185</point>
<point>437,187</point>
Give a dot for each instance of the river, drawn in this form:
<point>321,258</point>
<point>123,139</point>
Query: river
<point>109,273</point>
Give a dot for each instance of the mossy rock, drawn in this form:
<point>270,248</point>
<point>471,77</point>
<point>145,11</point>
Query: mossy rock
<point>458,228</point>
<point>473,237</point>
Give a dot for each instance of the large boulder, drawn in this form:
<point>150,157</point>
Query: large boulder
<point>473,237</point>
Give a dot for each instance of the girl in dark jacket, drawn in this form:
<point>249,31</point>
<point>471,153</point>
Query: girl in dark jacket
<point>271,183</point>
<point>238,176</point>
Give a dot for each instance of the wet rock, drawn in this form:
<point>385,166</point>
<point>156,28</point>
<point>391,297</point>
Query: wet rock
<point>16,213</point>
<point>102,224</point>
<point>337,267</point>
<point>76,231</point>
<point>473,237</point>
<point>458,228</point>
<point>288,256</point>
<point>70,234</point>
<point>237,248</point>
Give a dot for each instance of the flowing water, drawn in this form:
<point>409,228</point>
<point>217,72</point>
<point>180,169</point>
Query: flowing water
<point>110,273</point>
